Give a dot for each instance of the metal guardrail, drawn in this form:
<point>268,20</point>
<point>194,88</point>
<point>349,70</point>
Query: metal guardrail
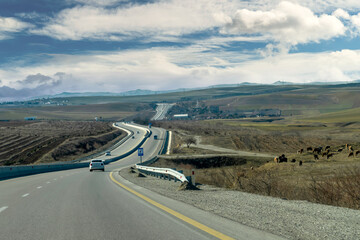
<point>166,173</point>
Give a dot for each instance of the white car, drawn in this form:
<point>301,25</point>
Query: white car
<point>108,154</point>
<point>96,164</point>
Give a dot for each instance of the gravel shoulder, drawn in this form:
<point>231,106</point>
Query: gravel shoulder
<point>290,219</point>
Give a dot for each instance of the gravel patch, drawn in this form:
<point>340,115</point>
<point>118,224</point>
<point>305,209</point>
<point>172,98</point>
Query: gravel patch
<point>290,219</point>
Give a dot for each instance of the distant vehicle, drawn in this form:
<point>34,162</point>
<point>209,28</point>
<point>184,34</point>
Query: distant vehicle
<point>155,137</point>
<point>133,137</point>
<point>137,132</point>
<point>96,164</point>
<point>108,154</point>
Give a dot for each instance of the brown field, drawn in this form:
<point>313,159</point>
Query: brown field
<point>25,142</point>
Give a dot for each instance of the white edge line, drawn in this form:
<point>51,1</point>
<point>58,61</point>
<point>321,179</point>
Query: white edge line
<point>169,144</point>
<point>3,208</point>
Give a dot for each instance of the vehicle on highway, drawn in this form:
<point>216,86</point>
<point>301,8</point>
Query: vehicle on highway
<point>108,154</point>
<point>155,137</point>
<point>96,164</point>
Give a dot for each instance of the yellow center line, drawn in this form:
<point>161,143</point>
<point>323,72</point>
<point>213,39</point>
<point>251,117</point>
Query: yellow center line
<point>174,213</point>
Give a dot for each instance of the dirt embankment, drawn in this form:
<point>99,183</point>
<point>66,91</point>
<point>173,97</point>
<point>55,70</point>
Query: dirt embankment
<point>208,161</point>
<point>25,142</point>
<point>74,148</point>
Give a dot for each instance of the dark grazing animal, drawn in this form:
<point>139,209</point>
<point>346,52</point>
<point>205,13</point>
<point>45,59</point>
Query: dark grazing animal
<point>300,163</point>
<point>293,160</point>
<point>282,158</point>
<point>327,147</point>
<point>316,157</point>
<point>340,150</point>
<point>317,150</point>
<point>351,154</point>
<point>329,155</point>
<point>309,149</point>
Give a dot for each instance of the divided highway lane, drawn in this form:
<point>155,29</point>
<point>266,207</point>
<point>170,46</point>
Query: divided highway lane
<point>139,132</point>
<point>88,205</point>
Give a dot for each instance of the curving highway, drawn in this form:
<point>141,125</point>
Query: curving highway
<point>161,111</point>
<point>78,204</point>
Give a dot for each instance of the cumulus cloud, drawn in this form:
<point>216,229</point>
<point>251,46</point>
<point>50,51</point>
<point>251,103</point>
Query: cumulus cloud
<point>288,23</point>
<point>10,25</point>
<point>355,20</point>
<point>37,80</point>
<point>341,13</point>
<point>351,21</point>
<point>32,86</point>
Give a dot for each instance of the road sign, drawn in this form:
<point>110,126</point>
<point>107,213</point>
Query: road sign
<point>140,152</point>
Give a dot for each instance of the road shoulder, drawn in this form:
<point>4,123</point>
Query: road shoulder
<point>210,220</point>
<point>290,219</point>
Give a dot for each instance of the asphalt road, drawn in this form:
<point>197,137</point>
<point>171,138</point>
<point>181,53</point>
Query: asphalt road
<point>78,204</point>
<point>161,111</point>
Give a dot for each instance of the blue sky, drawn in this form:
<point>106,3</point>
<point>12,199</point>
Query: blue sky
<point>48,46</point>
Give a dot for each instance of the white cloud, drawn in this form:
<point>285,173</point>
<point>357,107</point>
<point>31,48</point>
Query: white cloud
<point>317,6</point>
<point>158,69</point>
<point>340,13</point>
<point>169,18</point>
<point>10,25</point>
<point>288,23</point>
<point>355,19</point>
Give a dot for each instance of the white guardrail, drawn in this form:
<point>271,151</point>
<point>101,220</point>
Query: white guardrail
<point>166,173</point>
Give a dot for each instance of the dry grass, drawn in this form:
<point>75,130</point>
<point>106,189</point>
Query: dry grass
<point>237,135</point>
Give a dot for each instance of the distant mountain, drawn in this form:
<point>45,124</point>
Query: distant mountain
<point>232,85</point>
<point>139,92</point>
<point>283,83</point>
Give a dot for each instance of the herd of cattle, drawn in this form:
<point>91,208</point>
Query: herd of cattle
<point>320,151</point>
